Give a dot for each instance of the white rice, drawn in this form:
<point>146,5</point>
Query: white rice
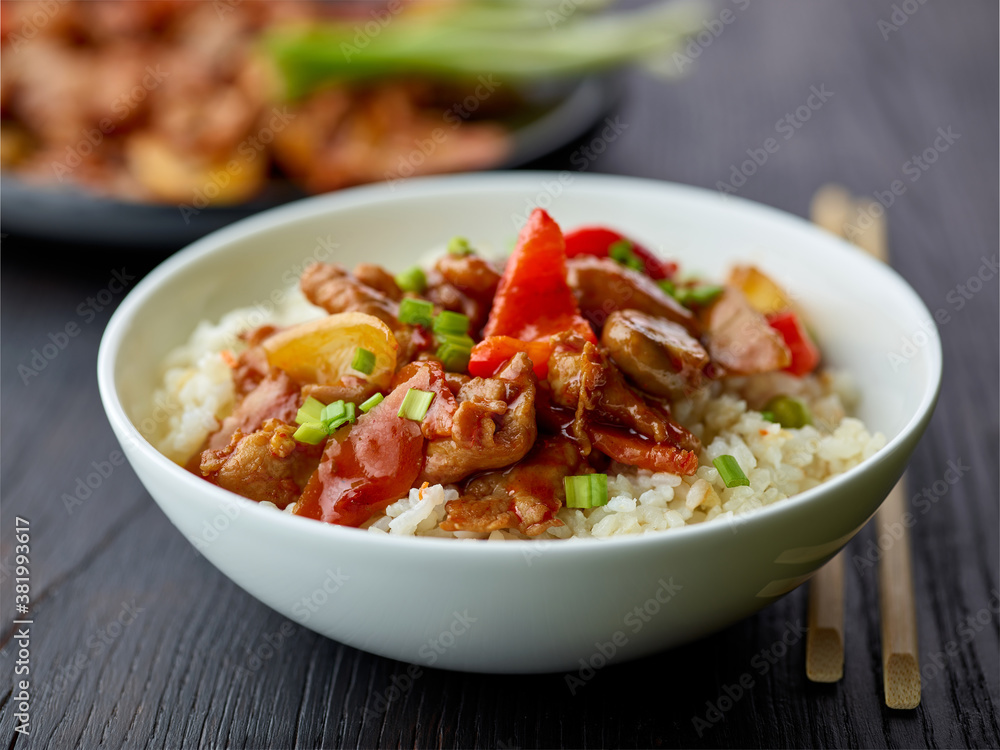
<point>778,462</point>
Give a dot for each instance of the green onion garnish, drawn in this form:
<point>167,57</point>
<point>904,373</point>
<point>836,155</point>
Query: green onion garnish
<point>412,280</point>
<point>621,251</point>
<point>668,286</point>
<point>454,358</point>
<point>349,408</point>
<point>418,312</point>
<point>731,472</point>
<point>312,433</point>
<point>371,403</point>
<point>586,490</point>
<point>451,323</point>
<point>459,246</point>
<point>789,412</point>
<point>364,361</point>
<point>332,412</point>
<point>310,411</point>
<point>415,404</point>
<point>699,295</point>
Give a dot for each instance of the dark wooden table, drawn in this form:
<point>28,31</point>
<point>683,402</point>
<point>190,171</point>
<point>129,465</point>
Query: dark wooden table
<point>138,642</point>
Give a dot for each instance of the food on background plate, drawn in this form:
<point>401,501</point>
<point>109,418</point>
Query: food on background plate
<point>209,103</point>
<point>585,388</point>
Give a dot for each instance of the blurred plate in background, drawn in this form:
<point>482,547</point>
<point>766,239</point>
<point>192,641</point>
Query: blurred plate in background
<point>553,119</point>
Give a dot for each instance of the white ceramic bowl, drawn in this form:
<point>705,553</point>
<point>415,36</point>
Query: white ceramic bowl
<point>526,606</point>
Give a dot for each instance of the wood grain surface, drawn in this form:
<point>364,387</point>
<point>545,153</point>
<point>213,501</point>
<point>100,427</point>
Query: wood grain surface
<point>198,662</point>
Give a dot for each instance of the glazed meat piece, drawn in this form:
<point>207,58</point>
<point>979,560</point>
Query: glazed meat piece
<point>740,341</point>
<point>275,397</point>
<point>349,388</point>
<point>660,357</point>
<point>603,285</point>
<point>267,464</point>
<point>493,426</point>
<point>378,279</point>
<point>525,497</point>
<point>582,379</point>
<point>332,288</point>
<point>465,284</point>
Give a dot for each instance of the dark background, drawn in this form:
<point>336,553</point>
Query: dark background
<point>186,672</point>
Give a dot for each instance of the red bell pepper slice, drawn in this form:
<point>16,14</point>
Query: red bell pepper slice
<point>596,241</point>
<point>633,449</point>
<point>805,354</point>
<point>533,302</point>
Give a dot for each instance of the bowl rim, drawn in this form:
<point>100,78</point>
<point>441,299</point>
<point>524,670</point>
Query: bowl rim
<point>440,186</point>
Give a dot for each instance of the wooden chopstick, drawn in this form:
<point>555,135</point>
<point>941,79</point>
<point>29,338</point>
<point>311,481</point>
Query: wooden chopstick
<point>864,224</point>
<point>830,209</point>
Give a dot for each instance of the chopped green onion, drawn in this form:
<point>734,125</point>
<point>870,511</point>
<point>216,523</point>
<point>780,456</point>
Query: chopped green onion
<point>418,312</point>
<point>768,415</point>
<point>455,358</point>
<point>312,433</point>
<point>364,361</point>
<point>349,407</point>
<point>464,340</point>
<point>412,280</point>
<point>310,411</point>
<point>731,472</point>
<point>415,404</point>
<point>451,323</point>
<point>371,403</point>
<point>668,286</point>
<point>332,412</point>
<point>586,490</point>
<point>789,412</point>
<point>699,295</point>
<point>459,246</point>
<point>621,251</point>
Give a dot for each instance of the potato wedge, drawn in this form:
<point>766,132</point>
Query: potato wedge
<point>320,351</point>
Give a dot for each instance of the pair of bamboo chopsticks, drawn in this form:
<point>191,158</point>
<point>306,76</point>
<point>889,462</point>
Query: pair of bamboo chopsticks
<point>834,209</point>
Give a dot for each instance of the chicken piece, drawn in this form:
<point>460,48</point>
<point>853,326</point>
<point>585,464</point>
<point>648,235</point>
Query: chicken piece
<point>332,288</point>
<point>582,379</point>
<point>525,497</point>
<point>267,464</point>
<point>659,356</point>
<point>378,279</point>
<point>349,388</point>
<point>603,285</point>
<point>464,284</point>
<point>275,397</point>
<point>740,341</point>
<point>493,426</point>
